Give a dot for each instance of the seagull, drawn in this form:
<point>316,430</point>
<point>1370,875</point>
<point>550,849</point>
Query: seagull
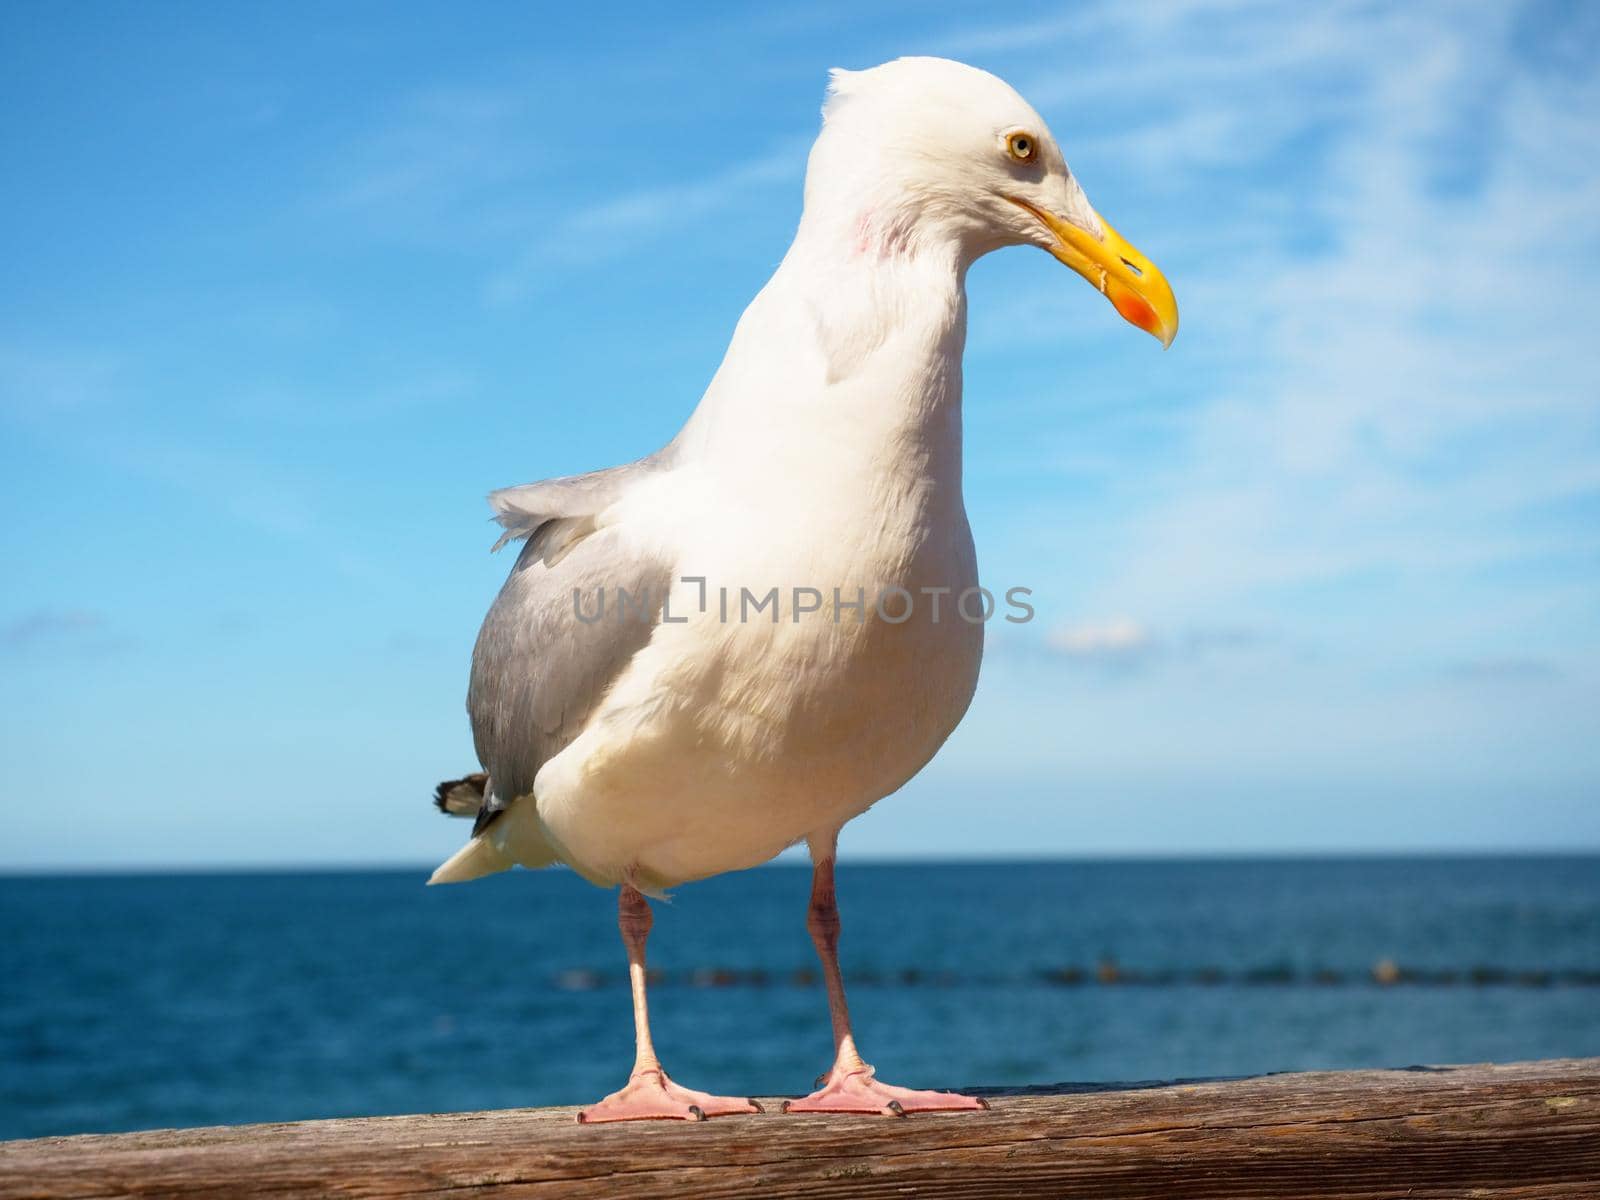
<point>751,636</point>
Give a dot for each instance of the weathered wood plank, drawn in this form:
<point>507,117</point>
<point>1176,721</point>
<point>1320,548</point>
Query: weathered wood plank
<point>1518,1130</point>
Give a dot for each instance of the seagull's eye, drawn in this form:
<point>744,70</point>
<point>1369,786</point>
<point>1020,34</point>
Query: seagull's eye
<point>1021,147</point>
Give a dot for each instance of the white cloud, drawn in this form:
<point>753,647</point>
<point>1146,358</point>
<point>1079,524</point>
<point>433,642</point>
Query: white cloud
<point>1405,399</point>
<point>618,225</point>
<point>1120,639</point>
<point>1124,642</point>
<point>439,145</point>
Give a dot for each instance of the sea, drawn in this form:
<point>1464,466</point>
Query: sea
<point>139,1001</point>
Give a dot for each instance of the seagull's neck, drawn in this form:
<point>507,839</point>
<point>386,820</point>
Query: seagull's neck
<point>851,352</point>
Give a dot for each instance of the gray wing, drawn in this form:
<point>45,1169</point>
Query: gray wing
<point>538,669</point>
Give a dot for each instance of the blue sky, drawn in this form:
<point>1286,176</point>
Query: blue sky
<point>287,290</point>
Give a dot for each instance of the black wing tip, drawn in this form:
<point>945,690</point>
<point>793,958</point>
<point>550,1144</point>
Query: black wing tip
<point>486,817</point>
<point>454,797</point>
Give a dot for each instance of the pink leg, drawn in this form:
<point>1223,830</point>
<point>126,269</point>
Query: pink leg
<point>849,1087</point>
<point>649,1094</point>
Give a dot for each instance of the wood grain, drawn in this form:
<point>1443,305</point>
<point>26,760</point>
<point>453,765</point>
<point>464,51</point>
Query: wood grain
<point>1516,1130</point>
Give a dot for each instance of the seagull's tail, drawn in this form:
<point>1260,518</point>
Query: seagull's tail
<point>477,858</point>
<point>502,836</point>
<point>480,856</point>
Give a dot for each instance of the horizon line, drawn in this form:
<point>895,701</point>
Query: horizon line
<point>791,861</point>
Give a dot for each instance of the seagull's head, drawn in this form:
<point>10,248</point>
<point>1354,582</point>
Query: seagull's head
<point>926,151</point>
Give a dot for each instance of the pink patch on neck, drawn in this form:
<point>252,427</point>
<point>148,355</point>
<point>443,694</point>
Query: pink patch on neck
<point>864,238</point>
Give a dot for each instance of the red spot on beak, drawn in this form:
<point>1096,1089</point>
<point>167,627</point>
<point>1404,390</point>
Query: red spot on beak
<point>1136,310</point>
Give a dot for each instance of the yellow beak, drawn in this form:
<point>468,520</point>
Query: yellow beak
<point>1134,285</point>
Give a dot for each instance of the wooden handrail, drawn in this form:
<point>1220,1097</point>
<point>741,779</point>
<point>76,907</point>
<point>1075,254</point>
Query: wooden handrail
<point>1522,1129</point>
